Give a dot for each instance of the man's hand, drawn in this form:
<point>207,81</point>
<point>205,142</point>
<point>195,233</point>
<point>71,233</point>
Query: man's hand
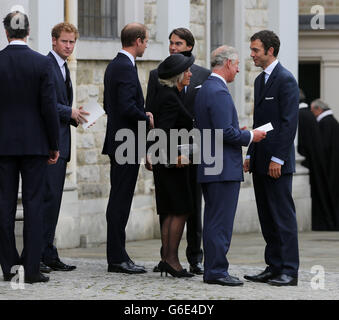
<point>274,170</point>
<point>182,161</point>
<point>148,164</point>
<point>53,157</point>
<point>246,165</point>
<point>258,135</point>
<point>151,119</point>
<point>79,115</point>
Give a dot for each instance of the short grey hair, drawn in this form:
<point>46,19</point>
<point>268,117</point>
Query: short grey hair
<point>319,104</point>
<point>222,54</point>
<point>172,82</point>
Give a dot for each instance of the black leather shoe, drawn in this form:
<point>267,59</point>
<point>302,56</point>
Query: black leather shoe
<point>57,265</point>
<point>226,281</point>
<point>125,267</point>
<point>197,268</point>
<point>44,268</point>
<point>261,277</point>
<point>131,263</point>
<point>283,280</point>
<point>36,278</point>
<point>9,276</point>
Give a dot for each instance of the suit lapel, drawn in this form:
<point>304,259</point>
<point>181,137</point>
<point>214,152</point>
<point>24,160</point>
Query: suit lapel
<point>269,83</point>
<point>61,81</point>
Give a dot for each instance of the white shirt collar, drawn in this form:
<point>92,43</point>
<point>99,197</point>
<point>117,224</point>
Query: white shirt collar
<point>128,55</point>
<point>324,114</point>
<point>60,61</point>
<point>303,105</point>
<point>219,76</point>
<point>18,42</point>
<point>271,67</point>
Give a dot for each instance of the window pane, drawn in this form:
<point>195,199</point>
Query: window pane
<point>98,18</point>
<point>216,23</point>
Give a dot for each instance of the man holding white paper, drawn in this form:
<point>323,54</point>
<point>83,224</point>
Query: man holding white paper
<point>272,161</point>
<point>64,36</point>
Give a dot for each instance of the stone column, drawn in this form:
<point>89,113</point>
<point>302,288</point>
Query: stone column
<point>171,14</point>
<point>283,19</point>
<point>43,15</point>
<point>68,228</point>
<point>71,16</point>
<point>329,78</point>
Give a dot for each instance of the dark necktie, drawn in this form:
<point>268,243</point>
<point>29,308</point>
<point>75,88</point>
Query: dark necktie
<point>68,83</point>
<point>263,81</point>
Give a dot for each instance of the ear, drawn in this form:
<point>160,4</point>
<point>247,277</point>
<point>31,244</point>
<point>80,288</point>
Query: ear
<point>270,51</point>
<point>54,40</point>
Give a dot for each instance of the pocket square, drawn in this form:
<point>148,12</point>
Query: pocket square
<point>269,98</point>
<point>198,87</point>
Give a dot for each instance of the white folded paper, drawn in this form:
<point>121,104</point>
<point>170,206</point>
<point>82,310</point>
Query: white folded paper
<point>266,127</point>
<point>95,112</point>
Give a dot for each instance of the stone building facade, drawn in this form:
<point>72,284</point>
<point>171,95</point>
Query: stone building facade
<point>82,219</point>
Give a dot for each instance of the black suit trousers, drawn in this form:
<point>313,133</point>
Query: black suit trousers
<point>278,222</point>
<point>53,190</point>
<point>123,181</point>
<point>32,170</point>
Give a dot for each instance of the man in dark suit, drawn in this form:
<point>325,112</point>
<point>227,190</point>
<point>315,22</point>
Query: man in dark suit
<point>124,105</point>
<point>181,40</point>
<point>329,133</point>
<point>29,134</point>
<point>272,161</point>
<point>215,110</point>
<point>64,36</point>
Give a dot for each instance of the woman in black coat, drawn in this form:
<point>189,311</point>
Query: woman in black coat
<point>173,185</point>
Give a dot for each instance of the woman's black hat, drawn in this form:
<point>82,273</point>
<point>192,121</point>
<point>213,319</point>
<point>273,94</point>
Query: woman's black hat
<point>174,65</point>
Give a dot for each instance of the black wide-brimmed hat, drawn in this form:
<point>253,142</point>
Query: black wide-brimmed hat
<point>174,65</point>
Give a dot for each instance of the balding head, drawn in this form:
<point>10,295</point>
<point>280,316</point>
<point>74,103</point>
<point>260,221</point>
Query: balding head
<point>131,32</point>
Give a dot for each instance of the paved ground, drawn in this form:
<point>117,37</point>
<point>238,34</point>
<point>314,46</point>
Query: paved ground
<point>92,281</point>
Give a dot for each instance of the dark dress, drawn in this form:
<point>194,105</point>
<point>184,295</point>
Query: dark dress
<point>174,187</point>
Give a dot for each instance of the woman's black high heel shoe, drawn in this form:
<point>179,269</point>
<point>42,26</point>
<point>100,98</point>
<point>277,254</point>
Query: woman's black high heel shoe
<point>165,267</point>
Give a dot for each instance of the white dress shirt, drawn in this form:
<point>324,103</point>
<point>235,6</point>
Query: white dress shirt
<point>61,63</point>
<point>18,42</point>
<point>128,55</point>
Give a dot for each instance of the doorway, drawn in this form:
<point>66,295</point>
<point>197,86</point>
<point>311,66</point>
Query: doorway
<point>309,79</point>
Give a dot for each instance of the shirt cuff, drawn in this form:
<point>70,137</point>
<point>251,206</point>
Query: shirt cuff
<point>248,157</point>
<point>277,160</point>
<point>251,132</point>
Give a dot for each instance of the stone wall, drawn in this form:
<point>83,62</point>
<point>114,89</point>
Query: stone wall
<point>198,28</point>
<point>256,19</point>
<point>93,168</point>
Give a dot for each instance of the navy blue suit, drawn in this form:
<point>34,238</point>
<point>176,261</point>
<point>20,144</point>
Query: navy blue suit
<point>214,109</point>
<point>276,102</point>
<point>55,177</point>
<point>28,131</point>
<point>124,105</point>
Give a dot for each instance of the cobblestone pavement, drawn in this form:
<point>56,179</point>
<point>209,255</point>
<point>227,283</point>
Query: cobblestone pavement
<point>92,281</point>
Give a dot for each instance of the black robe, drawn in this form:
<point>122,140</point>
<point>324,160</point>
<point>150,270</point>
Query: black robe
<point>310,145</point>
<point>329,129</point>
